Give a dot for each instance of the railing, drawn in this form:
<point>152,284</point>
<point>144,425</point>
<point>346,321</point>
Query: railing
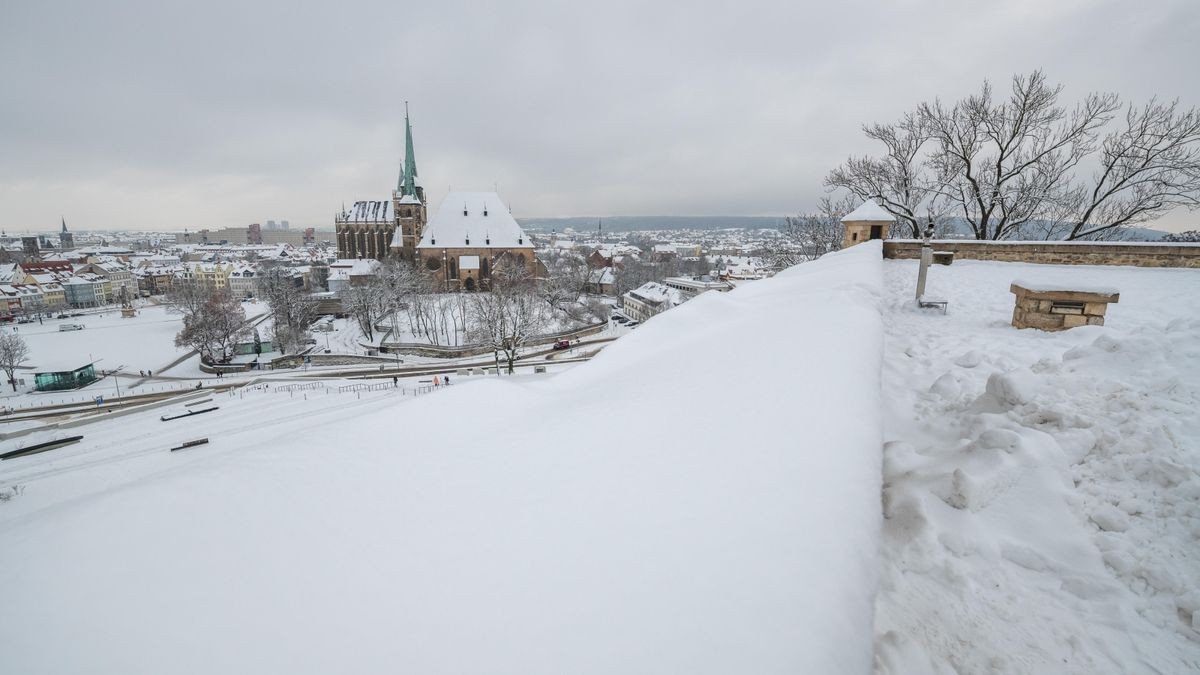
<point>301,387</point>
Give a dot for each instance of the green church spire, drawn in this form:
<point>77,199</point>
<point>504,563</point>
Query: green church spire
<point>409,189</point>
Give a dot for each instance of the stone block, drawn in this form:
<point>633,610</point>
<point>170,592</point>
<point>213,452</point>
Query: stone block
<point>1074,320</point>
<point>1095,321</point>
<point>1095,308</point>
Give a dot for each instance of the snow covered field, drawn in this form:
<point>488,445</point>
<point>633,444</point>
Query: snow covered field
<point>614,518</point>
<point>146,341</point>
<point>1041,489</point>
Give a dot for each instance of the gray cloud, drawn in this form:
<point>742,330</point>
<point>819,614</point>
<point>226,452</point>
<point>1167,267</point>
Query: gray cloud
<point>158,114</point>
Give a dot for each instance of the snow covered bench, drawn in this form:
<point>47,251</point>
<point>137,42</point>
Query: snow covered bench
<point>1054,307</point>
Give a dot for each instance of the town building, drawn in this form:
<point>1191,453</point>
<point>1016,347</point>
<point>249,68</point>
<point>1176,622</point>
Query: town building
<point>85,290</point>
<point>242,281</point>
<point>649,299</point>
<point>346,273</point>
<point>66,240</point>
<point>209,275</point>
<point>119,277</point>
<point>377,229</point>
<point>690,287</point>
<point>468,236</point>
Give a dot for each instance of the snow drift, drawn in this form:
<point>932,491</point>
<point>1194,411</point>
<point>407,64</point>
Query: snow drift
<point>703,497</point>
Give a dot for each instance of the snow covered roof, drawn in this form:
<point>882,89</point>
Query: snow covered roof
<point>1064,287</point>
<point>869,211</point>
<point>369,212</point>
<point>604,275</point>
<point>354,266</point>
<point>473,220</point>
<point>657,294</point>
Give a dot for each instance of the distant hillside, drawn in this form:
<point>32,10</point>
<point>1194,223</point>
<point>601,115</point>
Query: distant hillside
<point>644,223</point>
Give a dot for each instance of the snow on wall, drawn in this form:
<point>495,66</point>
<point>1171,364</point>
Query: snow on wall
<point>703,497</point>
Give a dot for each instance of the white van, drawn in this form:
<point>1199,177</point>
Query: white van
<point>70,326</point>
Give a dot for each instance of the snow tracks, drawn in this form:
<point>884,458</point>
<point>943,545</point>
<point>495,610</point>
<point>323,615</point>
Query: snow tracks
<point>1041,499</point>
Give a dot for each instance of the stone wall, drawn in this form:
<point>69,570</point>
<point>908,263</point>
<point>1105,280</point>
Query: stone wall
<point>1137,254</point>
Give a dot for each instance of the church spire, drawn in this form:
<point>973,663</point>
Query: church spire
<point>64,224</point>
<point>409,189</point>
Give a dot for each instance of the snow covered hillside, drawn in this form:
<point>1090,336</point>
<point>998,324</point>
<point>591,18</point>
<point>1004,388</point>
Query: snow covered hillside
<point>703,497</point>
<point>1041,489</point>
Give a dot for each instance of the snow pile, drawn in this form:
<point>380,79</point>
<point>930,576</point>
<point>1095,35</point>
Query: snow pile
<point>1042,494</point>
<point>615,518</point>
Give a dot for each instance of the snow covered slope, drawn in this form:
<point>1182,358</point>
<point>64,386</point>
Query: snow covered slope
<point>703,497</point>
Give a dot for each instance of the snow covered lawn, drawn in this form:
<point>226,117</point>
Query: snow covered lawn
<point>498,526</point>
<point>143,342</point>
<point>1041,489</point>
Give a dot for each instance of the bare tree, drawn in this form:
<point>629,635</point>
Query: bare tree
<point>185,296</point>
<point>568,277</point>
<point>292,309</point>
<point>214,328</point>
<point>508,316</point>
<point>318,276</point>
<point>1186,236</point>
<point>1008,166</point>
<point>897,180</point>
<point>1147,168</point>
<point>811,235</point>
<point>13,352</point>
<point>366,305</point>
<point>1003,164</point>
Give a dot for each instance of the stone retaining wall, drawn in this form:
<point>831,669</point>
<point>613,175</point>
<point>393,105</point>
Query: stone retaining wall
<point>1056,253</point>
<point>478,350</point>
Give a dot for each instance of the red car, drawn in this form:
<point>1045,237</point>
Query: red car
<point>562,344</point>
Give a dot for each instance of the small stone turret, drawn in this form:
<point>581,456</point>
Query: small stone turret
<point>868,221</point>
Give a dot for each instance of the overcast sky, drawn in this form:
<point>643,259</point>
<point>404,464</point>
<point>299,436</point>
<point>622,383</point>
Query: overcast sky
<point>202,114</point>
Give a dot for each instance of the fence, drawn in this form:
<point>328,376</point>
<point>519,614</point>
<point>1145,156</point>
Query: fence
<point>301,387</point>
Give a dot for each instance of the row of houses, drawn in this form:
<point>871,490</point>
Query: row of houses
<point>43,286</point>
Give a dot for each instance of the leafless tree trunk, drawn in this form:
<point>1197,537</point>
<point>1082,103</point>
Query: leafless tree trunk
<point>508,316</point>
<point>13,352</point>
<point>213,329</point>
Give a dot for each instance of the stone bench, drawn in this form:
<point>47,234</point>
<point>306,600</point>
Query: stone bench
<point>943,257</point>
<point>1053,307</point>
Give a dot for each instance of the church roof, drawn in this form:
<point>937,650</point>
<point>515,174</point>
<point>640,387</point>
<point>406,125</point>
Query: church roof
<point>473,220</point>
<point>369,212</point>
<point>869,211</point>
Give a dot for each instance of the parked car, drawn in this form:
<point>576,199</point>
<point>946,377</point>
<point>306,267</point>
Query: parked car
<point>70,326</point>
<point>631,324</point>
<point>562,344</point>
<point>64,315</point>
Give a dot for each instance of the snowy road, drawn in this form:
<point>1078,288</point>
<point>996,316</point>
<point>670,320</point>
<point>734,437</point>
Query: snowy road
<point>1042,495</point>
